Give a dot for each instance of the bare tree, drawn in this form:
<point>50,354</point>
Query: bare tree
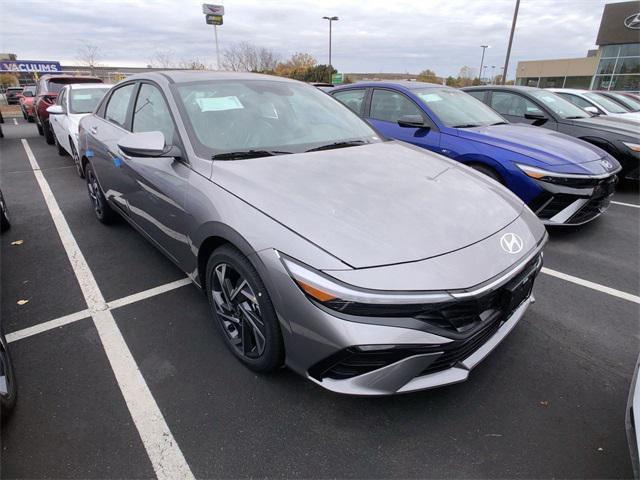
<point>246,57</point>
<point>88,55</point>
<point>192,64</point>
<point>164,58</point>
<point>302,60</point>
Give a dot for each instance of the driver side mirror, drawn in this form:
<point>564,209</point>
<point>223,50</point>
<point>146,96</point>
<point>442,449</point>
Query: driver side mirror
<point>412,121</point>
<point>592,110</point>
<point>535,116</point>
<point>55,110</point>
<point>147,144</point>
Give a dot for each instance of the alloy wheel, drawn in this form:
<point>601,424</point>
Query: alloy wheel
<point>238,311</point>
<point>94,193</point>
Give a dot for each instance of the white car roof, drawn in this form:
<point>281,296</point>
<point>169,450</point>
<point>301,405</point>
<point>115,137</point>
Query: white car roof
<point>80,86</point>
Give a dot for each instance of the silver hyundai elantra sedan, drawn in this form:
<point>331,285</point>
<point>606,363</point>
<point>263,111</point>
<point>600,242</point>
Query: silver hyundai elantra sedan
<point>369,266</point>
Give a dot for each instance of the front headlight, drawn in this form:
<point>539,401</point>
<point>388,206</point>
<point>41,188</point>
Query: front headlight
<point>632,146</point>
<point>336,295</point>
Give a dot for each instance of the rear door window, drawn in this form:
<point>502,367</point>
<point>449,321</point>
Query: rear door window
<point>118,106</point>
<point>152,114</point>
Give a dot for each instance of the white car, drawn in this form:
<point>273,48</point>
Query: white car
<point>596,103</point>
<point>75,101</point>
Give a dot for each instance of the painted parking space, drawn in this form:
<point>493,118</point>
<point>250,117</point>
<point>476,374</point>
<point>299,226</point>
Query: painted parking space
<point>548,402</point>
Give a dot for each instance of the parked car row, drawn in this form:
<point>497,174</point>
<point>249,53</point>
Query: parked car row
<point>349,239</point>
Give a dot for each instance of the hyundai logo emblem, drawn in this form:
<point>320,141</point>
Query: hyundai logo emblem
<point>633,21</point>
<point>606,164</point>
<point>511,243</point>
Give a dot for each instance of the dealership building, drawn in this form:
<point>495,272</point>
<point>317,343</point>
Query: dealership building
<point>615,65</point>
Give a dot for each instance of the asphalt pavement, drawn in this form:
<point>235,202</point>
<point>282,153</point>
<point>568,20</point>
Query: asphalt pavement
<point>548,402</point>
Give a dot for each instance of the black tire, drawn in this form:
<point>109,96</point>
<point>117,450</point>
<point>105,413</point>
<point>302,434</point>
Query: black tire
<point>255,305</point>
<point>76,160</point>
<point>48,133</point>
<point>8,400</point>
<point>30,119</point>
<point>4,215</point>
<point>39,127</point>
<point>24,113</point>
<point>488,171</point>
<point>101,208</point>
<point>61,151</point>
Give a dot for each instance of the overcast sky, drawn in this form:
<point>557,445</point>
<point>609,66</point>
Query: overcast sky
<point>371,36</point>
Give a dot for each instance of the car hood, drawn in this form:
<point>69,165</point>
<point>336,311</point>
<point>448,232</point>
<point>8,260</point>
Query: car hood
<point>541,144</point>
<point>617,125</point>
<point>373,205</point>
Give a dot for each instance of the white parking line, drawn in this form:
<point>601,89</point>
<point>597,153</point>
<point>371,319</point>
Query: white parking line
<point>592,285</point>
<point>74,317</point>
<point>166,457</point>
<point>626,204</point>
<point>15,121</point>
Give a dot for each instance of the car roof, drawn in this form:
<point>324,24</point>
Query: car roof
<point>568,90</point>
<point>395,83</point>
<point>522,88</point>
<point>186,76</point>
<point>80,86</point>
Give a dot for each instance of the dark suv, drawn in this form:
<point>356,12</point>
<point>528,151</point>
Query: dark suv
<point>543,108</point>
<point>46,95</point>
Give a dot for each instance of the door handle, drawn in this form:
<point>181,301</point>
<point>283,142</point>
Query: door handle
<point>93,130</point>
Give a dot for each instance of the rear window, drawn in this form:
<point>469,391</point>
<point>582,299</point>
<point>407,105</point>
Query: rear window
<point>56,84</point>
<point>84,100</point>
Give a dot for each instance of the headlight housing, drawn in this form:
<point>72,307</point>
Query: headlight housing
<point>333,294</point>
<point>574,180</point>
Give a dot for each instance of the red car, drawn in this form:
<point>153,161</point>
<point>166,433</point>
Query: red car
<point>26,102</point>
<point>46,95</point>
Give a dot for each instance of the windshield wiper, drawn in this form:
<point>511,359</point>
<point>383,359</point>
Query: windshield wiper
<point>241,154</point>
<point>577,116</point>
<point>498,123</point>
<point>331,146</point>
<point>467,125</point>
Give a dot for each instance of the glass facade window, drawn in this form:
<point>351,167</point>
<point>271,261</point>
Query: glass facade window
<point>619,68</point>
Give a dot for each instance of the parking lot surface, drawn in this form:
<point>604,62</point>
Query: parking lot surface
<point>548,402</point>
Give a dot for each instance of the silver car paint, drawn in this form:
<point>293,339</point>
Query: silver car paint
<point>293,205</point>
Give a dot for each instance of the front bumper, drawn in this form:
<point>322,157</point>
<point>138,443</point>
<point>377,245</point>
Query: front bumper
<point>578,202</point>
<point>316,338</point>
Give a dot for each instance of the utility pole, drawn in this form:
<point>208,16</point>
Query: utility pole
<point>215,30</point>
<point>331,19</point>
<point>513,29</point>
<point>484,48</point>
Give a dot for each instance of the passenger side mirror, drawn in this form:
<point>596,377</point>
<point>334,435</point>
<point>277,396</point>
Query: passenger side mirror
<point>147,144</point>
<point>412,121</point>
<point>535,116</point>
<point>592,110</point>
<point>55,110</point>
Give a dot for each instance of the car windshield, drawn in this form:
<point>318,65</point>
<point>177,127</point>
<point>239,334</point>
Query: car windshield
<point>558,105</point>
<point>606,103</point>
<point>457,109</point>
<point>632,104</point>
<point>84,100</point>
<point>228,116</point>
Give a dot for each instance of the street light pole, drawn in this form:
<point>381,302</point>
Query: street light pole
<point>331,19</point>
<point>484,48</point>
<point>513,29</point>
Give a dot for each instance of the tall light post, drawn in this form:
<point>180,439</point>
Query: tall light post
<point>331,19</point>
<point>513,29</point>
<point>484,48</point>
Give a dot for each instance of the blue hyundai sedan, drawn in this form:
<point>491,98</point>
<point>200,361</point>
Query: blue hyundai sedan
<point>566,181</point>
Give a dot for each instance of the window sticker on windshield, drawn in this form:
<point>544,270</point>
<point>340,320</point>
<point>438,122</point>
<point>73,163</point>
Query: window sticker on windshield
<point>82,96</point>
<point>430,97</point>
<point>215,104</point>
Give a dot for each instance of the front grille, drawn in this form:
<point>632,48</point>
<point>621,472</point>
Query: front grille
<point>481,319</point>
<point>602,189</point>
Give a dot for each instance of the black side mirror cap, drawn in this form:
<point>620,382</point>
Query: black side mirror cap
<point>412,121</point>
<point>535,116</point>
